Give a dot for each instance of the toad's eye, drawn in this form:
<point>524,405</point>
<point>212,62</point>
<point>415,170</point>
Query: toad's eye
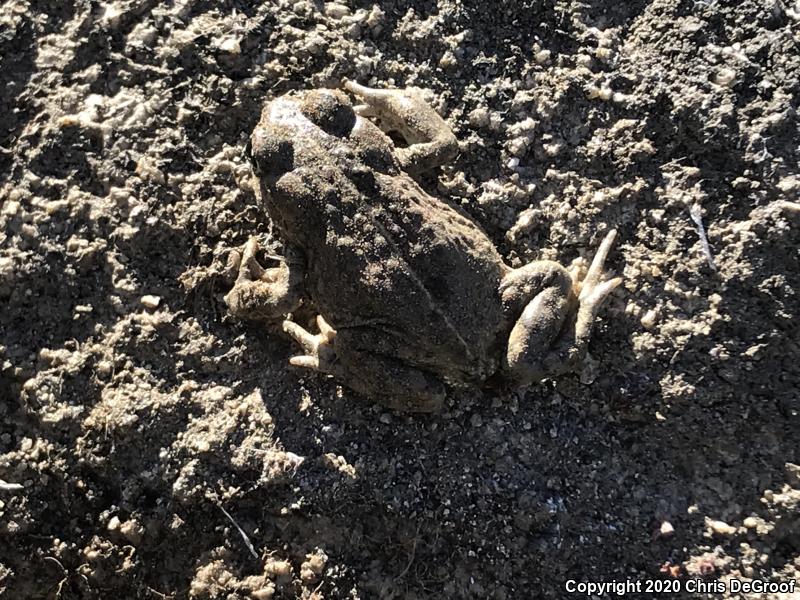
<point>330,110</point>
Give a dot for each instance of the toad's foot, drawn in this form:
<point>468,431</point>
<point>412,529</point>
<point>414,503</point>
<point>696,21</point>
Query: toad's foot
<point>319,354</point>
<point>551,336</point>
<point>593,290</point>
<point>430,140</point>
<point>259,293</point>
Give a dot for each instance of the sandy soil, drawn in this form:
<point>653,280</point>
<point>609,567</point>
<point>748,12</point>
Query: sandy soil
<point>153,447</point>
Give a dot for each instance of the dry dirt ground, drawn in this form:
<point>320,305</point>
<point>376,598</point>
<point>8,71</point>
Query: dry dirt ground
<point>153,447</point>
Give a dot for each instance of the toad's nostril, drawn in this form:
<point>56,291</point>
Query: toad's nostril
<point>270,155</point>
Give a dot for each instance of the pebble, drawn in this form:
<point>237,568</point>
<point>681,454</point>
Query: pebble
<point>132,531</point>
<point>649,318</point>
<point>750,522</point>
<point>721,527</point>
<point>150,301</point>
<point>230,45</point>
<point>334,10</point>
<point>104,368</point>
<point>666,529</point>
<point>725,77</point>
<point>264,593</point>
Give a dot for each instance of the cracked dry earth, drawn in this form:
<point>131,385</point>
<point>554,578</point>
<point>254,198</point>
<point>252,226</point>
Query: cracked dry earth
<point>153,447</point>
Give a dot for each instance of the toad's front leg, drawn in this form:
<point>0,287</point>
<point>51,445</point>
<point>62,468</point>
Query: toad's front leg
<point>430,140</point>
<point>552,332</point>
<point>263,294</point>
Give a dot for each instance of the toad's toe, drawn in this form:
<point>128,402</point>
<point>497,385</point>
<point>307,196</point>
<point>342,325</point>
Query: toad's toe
<point>319,354</point>
<point>593,289</point>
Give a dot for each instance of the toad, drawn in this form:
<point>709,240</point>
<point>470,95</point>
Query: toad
<point>412,295</point>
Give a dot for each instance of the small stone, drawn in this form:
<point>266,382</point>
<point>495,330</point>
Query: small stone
<point>231,45</point>
<point>313,566</point>
<point>334,10</point>
<point>147,170</point>
<point>649,319</point>
<point>740,183</point>
<point>603,53</point>
<point>277,568</point>
<point>264,593</point>
<point>605,93</point>
<point>448,60</point>
<point>751,522</point>
<point>788,184</point>
<point>725,77</point>
<point>151,302</point>
<point>479,117</point>
<point>720,527</point>
<point>666,529</point>
<point>111,15</point>
<point>525,222</point>
<point>132,531</point>
<point>10,208</point>
<point>113,524</point>
<point>104,368</point>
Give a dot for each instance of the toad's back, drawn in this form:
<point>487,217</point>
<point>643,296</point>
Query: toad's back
<point>421,275</point>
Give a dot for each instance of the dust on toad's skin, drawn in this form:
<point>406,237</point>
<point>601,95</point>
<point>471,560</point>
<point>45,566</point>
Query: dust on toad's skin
<point>411,293</point>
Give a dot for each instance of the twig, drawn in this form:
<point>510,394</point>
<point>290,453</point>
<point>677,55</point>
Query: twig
<point>697,217</point>
<point>64,572</point>
<point>10,487</point>
<point>159,594</point>
<point>246,539</point>
<point>411,557</point>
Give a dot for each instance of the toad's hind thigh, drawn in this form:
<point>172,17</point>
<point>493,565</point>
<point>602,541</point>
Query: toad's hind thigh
<point>385,379</point>
<point>552,332</point>
<point>540,297</point>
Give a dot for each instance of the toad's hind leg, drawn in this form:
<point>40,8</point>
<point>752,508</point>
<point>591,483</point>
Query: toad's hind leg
<point>552,332</point>
<point>384,379</point>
